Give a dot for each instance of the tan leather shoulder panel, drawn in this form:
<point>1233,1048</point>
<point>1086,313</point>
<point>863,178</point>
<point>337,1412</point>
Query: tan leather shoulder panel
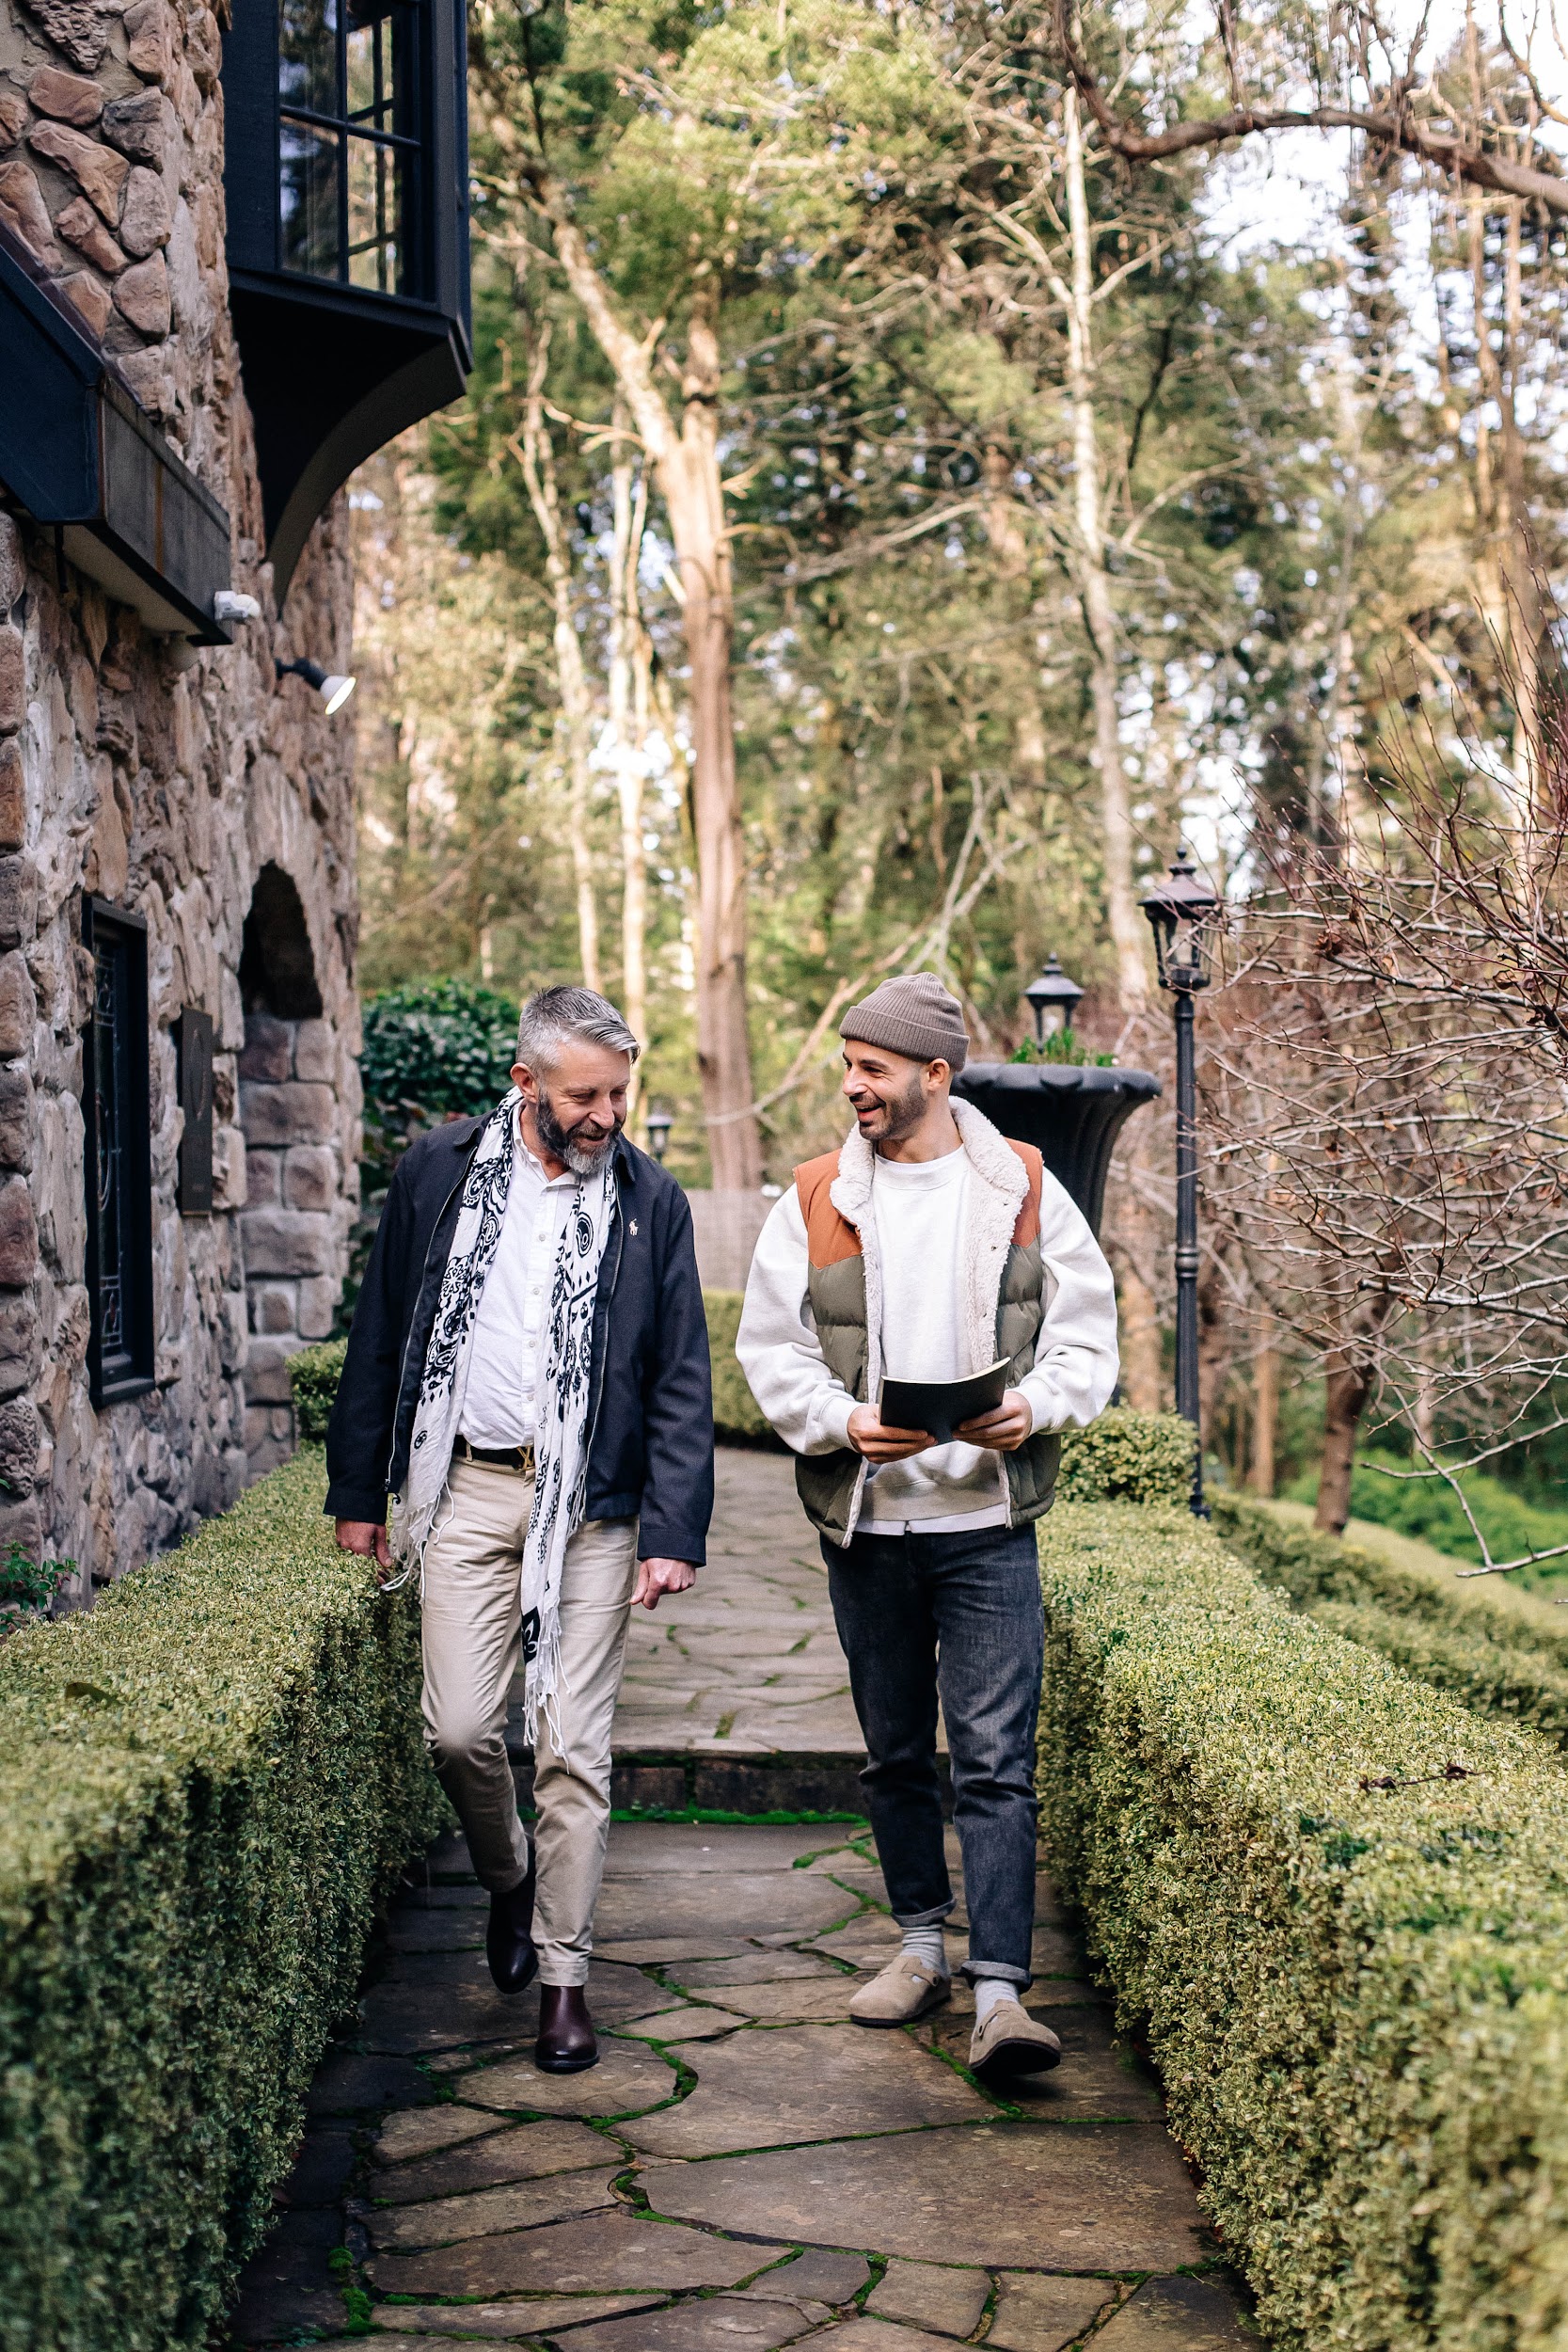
<point>830,1237</point>
<point>1028,1226</point>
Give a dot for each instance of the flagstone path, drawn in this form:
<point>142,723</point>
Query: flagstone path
<point>745,2169</point>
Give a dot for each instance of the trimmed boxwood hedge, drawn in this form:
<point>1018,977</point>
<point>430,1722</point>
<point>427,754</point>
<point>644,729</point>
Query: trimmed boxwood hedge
<point>313,1376</point>
<point>1358,1995</point>
<point>1498,1650</point>
<point>207,1786</point>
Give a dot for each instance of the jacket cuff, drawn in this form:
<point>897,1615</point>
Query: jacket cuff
<point>367,1504</point>
<point>672,1543</point>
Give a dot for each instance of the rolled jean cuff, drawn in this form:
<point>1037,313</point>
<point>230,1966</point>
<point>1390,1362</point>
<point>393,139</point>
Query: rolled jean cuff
<point>925,1918</point>
<point>571,1971</point>
<point>999,1970</point>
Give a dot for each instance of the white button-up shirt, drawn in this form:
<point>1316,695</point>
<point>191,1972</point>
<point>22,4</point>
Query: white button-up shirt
<point>499,1404</point>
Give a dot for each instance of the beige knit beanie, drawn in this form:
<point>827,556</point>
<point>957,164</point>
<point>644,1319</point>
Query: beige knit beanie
<point>914,1015</point>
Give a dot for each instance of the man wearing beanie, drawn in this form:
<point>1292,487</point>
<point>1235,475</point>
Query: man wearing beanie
<point>927,1247</point>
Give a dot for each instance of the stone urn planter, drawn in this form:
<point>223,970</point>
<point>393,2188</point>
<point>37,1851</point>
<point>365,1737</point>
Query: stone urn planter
<point>1073,1115</point>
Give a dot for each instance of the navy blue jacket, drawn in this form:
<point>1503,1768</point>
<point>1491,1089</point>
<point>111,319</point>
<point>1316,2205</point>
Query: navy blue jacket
<point>650,1447</point>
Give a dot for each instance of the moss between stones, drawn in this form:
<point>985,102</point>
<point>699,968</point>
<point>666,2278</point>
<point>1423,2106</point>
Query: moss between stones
<point>1357,1997</point>
<point>207,1785</point>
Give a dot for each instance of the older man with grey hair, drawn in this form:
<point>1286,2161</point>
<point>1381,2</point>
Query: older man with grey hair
<point>527,1381</point>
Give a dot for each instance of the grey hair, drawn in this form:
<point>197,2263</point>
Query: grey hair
<point>554,1014</point>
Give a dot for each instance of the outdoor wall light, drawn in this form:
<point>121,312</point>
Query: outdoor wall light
<point>1181,911</point>
<point>333,690</point>
<point>1052,999</point>
<point>659,1124</point>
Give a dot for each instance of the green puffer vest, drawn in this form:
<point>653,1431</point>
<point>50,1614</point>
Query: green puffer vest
<point>830,1483</point>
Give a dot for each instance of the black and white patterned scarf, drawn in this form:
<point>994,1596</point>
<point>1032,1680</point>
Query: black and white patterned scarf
<point>560,1432</point>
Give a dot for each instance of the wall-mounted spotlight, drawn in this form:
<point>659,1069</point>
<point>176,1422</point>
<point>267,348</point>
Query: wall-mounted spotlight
<point>333,690</point>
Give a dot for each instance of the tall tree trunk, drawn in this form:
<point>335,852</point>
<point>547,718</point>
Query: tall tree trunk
<point>1525,618</point>
<point>1142,1353</point>
<point>1128,930</point>
<point>625,628</point>
<point>1349,1385</point>
<point>685,463</point>
<point>537,456</point>
<point>1265,1417</point>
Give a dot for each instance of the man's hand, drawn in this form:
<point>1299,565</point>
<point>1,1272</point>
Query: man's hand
<point>366,1537</point>
<point>1003,1430</point>
<point>657,1577</point>
<point>868,1435</point>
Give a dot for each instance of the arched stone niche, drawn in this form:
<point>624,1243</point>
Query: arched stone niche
<point>291,1228</point>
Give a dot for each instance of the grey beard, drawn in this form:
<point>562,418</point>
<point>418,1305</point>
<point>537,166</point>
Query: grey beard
<point>560,1142</point>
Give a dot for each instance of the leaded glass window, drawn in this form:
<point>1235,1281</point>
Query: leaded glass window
<point>349,142</point>
<point>117,1114</point>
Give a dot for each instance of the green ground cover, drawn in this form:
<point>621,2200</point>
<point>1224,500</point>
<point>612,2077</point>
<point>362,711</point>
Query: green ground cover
<point>1429,1510</point>
<point>208,1784</point>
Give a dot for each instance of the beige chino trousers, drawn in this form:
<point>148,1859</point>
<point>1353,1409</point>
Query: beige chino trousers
<point>471,1613</point>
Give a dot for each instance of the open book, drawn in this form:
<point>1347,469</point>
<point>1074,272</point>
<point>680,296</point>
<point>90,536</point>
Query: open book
<point>940,1406</point>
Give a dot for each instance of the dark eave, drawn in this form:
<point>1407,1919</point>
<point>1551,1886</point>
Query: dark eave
<point>332,373</point>
<point>79,453</point>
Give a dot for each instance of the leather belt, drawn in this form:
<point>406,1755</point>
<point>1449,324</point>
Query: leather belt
<point>512,1457</point>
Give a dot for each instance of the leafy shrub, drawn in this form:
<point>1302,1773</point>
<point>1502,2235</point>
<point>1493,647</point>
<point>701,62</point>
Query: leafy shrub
<point>1497,1649</point>
<point>207,1786</point>
<point>313,1376</point>
<point>1352,1968</point>
<point>1127,1457</point>
<point>28,1585</point>
<point>1061,1049</point>
<point>736,1413</point>
<point>1429,1510</point>
<point>439,1046</point>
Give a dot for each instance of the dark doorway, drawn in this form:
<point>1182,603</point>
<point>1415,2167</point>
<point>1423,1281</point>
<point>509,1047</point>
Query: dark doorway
<point>278,971</point>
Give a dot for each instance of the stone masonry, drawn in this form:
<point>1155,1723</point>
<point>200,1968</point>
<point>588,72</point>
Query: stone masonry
<point>293,1078</point>
<point>169,782</point>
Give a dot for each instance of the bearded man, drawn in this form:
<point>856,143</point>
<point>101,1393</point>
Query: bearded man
<point>927,1248</point>
<point>527,1379</point>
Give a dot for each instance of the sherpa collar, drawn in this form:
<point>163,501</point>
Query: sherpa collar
<point>992,1213</point>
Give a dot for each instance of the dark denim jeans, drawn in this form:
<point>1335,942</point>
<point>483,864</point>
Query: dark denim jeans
<point>960,1614</point>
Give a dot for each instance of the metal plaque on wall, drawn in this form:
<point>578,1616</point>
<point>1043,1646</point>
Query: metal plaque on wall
<point>194,1042</point>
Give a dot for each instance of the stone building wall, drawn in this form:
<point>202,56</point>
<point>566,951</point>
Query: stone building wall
<point>169,782</point>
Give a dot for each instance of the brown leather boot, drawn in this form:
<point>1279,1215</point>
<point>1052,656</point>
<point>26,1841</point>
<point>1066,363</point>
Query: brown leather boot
<point>566,2044</point>
<point>509,1937</point>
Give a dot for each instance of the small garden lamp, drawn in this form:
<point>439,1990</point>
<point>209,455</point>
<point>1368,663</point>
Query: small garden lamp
<point>1052,999</point>
<point>659,1124</point>
<point>1181,911</point>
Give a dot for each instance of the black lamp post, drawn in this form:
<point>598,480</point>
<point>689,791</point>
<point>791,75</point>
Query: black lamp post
<point>659,1124</point>
<point>1179,910</point>
<point>1052,999</point>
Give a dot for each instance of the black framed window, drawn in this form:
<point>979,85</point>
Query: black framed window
<point>350,149</point>
<point>117,1115</point>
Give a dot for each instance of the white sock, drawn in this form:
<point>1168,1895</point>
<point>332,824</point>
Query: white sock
<point>989,1992</point>
<point>927,1945</point>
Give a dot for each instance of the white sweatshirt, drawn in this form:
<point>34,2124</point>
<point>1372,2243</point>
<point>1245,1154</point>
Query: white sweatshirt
<point>929,1231</point>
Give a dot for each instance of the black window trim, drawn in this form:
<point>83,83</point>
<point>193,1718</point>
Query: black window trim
<point>102,913</point>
